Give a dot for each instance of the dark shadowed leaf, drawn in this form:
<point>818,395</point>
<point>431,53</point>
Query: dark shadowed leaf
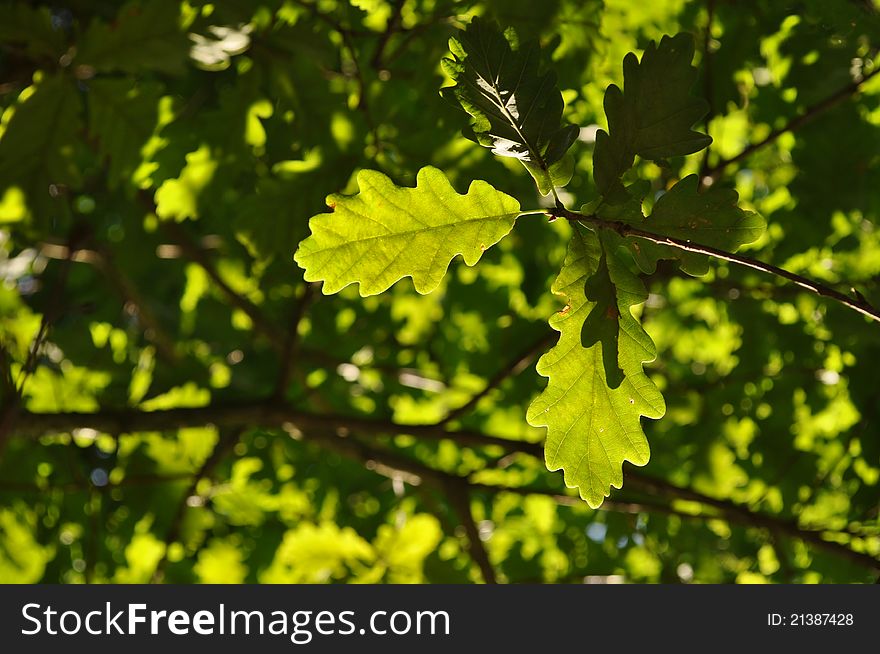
<point>513,99</point>
<point>652,116</point>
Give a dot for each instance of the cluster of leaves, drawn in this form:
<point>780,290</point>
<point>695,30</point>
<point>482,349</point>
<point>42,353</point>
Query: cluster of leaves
<point>598,390</point>
<point>177,402</point>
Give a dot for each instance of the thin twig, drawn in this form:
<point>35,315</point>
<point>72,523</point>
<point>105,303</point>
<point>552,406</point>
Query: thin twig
<point>390,28</point>
<point>858,304</point>
<point>458,495</point>
<point>198,256</point>
<point>291,342</point>
<point>54,310</point>
<point>395,466</point>
<point>135,302</point>
<point>392,464</point>
<point>225,443</point>
<point>714,172</point>
<point>740,514</point>
<point>95,504</point>
<point>706,65</point>
<point>412,34</point>
<point>356,72</point>
<point>513,367</point>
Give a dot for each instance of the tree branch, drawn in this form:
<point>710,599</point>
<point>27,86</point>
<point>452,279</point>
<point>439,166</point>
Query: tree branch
<point>133,299</point>
<point>739,514</point>
<point>390,28</point>
<point>356,73</point>
<point>714,172</point>
<point>858,304</point>
<point>387,463</point>
<point>198,256</point>
<point>461,502</point>
<point>253,414</point>
<point>706,65</point>
<point>393,465</point>
<point>329,429</point>
<point>54,310</point>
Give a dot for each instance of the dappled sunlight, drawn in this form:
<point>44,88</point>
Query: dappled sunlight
<point>361,291</point>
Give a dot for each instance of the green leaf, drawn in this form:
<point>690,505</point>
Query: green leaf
<point>557,175</point>
<point>516,105</point>
<point>652,116</point>
<point>37,143</point>
<point>123,117</point>
<point>32,28</point>
<point>385,232</point>
<point>592,428</point>
<point>711,217</point>
<point>145,36</point>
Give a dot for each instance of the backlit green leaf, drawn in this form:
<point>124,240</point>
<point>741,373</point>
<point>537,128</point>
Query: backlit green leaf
<point>710,217</point>
<point>593,428</point>
<point>385,232</point>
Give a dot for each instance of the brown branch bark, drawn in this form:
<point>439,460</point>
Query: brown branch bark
<point>198,256</point>
<point>259,414</point>
<point>706,65</point>
<point>739,514</point>
<point>393,24</point>
<point>291,342</point>
<point>457,492</point>
<point>133,301</point>
<point>415,473</point>
<point>54,310</point>
<point>131,295</point>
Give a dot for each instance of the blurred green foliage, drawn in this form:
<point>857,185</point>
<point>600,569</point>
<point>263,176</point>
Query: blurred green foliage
<point>159,163</point>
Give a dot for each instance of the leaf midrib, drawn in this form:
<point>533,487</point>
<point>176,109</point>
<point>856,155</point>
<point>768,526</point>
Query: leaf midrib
<point>351,241</point>
<point>499,102</point>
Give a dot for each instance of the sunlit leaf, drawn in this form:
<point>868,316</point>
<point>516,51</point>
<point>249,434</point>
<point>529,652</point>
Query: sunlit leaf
<point>386,232</point>
<point>593,428</point>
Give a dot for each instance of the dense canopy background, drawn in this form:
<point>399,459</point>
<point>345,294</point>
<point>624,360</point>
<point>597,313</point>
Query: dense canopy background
<point>178,404</point>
